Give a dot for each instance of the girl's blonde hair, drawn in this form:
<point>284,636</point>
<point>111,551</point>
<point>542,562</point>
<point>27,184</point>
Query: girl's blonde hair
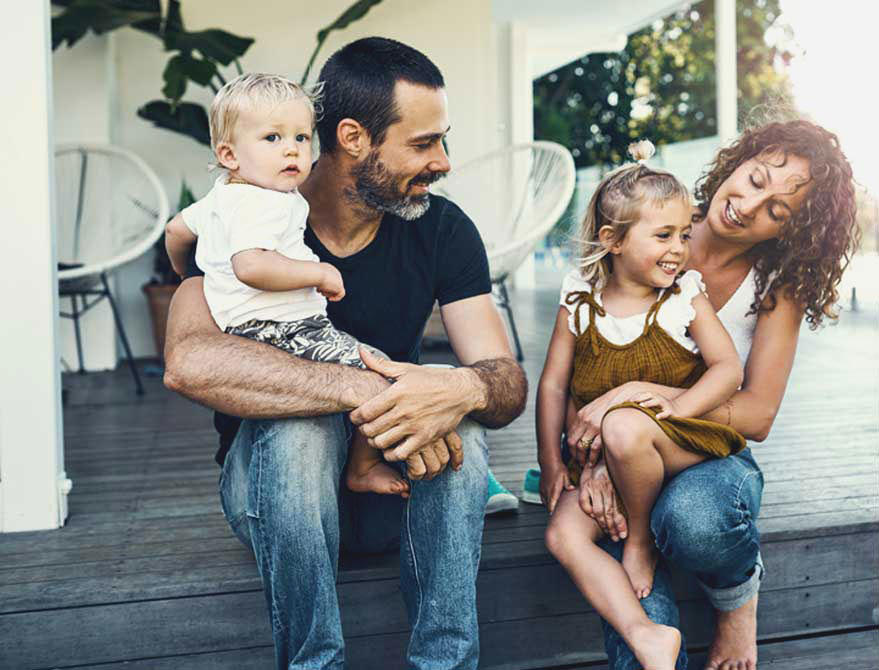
<point>250,91</point>
<point>617,203</point>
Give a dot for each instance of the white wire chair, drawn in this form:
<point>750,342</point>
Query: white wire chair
<point>110,209</point>
<point>515,196</point>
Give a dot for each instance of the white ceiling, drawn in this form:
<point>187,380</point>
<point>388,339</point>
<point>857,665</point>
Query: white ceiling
<point>561,30</point>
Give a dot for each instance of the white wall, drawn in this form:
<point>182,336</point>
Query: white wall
<point>31,452</point>
<point>82,81</point>
<point>458,35</point>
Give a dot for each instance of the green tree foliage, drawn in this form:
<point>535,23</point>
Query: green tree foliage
<point>662,85</point>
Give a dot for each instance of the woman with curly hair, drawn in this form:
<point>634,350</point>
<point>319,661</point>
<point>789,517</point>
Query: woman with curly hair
<point>774,230</point>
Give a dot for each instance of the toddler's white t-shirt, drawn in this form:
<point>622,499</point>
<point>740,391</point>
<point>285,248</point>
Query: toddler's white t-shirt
<point>237,217</point>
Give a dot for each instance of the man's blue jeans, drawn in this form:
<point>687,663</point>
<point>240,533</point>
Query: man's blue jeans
<point>703,522</point>
<point>280,490</point>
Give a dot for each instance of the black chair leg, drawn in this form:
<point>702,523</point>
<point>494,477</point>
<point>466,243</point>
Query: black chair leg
<point>74,302</point>
<point>505,304</point>
<point>122,336</point>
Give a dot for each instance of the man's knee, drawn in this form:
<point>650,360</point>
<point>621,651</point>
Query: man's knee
<point>308,445</point>
<point>297,461</point>
<point>471,481</point>
<point>473,444</point>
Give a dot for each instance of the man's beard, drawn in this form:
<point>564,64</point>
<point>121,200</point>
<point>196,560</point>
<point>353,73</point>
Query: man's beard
<point>376,187</point>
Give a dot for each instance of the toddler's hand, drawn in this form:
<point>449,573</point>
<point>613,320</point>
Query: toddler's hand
<point>331,285</point>
<point>665,406</point>
<point>554,480</point>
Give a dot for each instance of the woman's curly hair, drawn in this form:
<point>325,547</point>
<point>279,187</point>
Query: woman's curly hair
<point>816,244</point>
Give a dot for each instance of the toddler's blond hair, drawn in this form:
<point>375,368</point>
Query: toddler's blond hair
<point>250,91</point>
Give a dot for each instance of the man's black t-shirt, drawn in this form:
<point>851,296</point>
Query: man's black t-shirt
<point>393,282</point>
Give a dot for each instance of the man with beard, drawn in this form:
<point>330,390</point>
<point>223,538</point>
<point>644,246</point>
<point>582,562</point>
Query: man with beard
<point>399,249</point>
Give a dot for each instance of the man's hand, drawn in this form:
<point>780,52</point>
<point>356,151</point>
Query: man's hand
<point>422,406</point>
<point>598,499</point>
<point>432,460</point>
<point>553,480</point>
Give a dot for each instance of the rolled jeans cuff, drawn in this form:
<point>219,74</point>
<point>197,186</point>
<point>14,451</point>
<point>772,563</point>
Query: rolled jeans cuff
<point>733,597</point>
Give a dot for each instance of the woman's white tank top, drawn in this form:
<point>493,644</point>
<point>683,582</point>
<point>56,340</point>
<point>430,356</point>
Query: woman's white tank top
<point>735,318</point>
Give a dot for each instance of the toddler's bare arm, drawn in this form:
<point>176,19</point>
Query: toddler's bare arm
<point>178,241</point>
<point>271,271</point>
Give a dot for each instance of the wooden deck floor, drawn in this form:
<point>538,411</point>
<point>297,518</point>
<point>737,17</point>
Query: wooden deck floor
<point>146,573</point>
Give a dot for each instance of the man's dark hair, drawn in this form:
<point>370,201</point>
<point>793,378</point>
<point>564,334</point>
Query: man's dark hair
<point>358,83</point>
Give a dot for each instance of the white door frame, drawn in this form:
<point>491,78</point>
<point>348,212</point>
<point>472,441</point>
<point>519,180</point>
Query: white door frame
<point>31,446</point>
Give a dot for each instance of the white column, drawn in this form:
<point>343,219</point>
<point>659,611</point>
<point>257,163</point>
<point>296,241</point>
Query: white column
<point>521,85</point>
<point>31,449</point>
<point>520,101</point>
<point>725,63</point>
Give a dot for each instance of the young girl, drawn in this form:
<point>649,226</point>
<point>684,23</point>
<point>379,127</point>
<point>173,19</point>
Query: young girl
<point>627,315</point>
<point>261,280</point>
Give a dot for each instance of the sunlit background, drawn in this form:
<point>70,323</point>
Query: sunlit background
<point>834,77</point>
<point>799,58</point>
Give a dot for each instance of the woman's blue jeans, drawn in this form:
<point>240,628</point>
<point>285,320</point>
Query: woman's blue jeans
<point>280,490</point>
<point>703,522</point>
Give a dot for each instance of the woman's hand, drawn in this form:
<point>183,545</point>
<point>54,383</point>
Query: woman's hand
<point>665,407</point>
<point>553,480</point>
<point>583,427</point>
<point>598,500</point>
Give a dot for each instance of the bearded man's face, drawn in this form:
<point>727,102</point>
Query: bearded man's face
<point>395,176</point>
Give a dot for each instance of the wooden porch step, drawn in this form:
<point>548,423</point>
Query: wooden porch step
<point>189,605</point>
<point>857,650</point>
<point>146,575</point>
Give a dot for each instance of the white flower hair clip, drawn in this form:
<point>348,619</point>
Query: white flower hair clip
<point>642,151</point>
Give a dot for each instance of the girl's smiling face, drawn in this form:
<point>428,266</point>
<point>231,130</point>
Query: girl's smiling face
<point>656,248</point>
<point>759,198</point>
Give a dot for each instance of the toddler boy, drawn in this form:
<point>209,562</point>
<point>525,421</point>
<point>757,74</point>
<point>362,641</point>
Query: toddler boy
<point>261,280</point>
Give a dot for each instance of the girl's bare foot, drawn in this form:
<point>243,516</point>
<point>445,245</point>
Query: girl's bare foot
<point>376,477</point>
<point>639,562</point>
<point>655,646</point>
<point>735,639</point>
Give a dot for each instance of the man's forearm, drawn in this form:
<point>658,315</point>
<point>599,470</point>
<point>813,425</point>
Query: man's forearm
<point>500,391</point>
<point>249,379</point>
<point>254,380</point>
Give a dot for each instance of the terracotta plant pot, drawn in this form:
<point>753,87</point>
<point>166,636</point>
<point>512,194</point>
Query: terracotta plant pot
<point>159,299</point>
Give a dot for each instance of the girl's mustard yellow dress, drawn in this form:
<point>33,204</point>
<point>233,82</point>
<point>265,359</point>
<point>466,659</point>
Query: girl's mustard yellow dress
<point>655,356</point>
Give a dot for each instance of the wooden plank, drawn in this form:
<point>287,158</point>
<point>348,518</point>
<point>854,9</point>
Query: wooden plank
<point>518,545</point>
<point>146,525</point>
<point>512,598</point>
<point>852,651</point>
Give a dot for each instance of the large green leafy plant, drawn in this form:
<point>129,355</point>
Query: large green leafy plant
<point>203,57</point>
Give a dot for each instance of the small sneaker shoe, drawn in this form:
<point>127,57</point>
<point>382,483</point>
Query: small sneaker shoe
<point>499,499</point>
<point>531,487</point>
